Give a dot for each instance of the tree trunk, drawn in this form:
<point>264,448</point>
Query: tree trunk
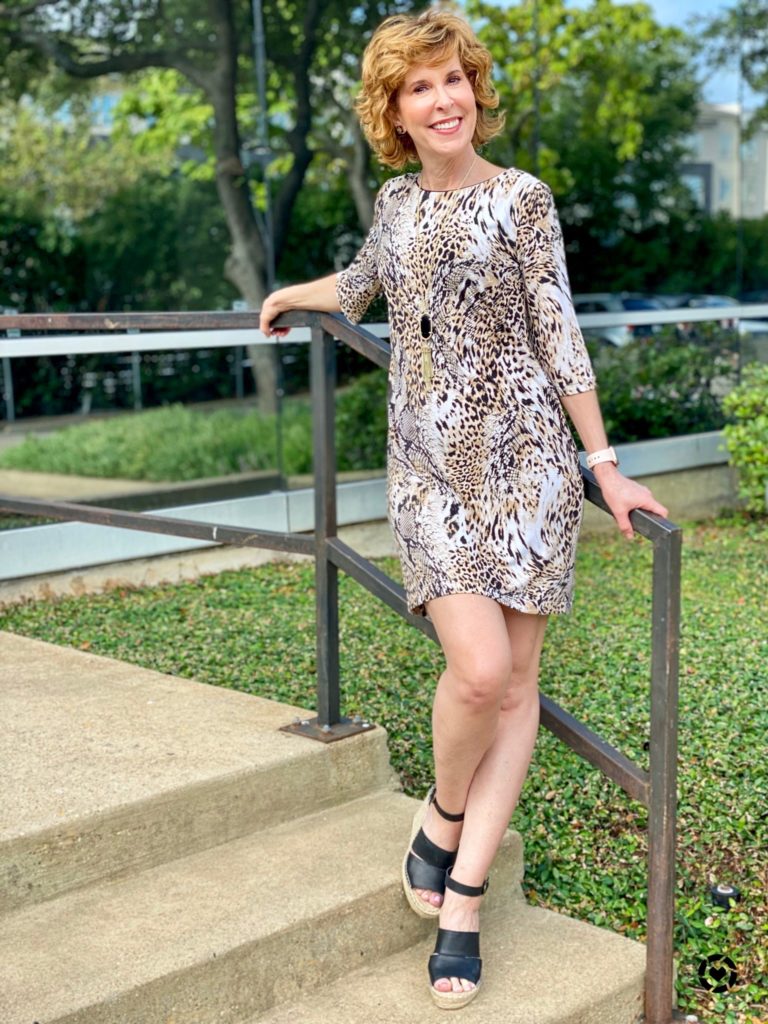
<point>246,264</point>
<point>359,173</point>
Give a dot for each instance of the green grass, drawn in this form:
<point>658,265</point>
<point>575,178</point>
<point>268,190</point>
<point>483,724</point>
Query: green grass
<point>585,840</point>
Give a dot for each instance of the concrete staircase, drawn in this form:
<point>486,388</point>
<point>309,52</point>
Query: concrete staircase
<point>167,856</point>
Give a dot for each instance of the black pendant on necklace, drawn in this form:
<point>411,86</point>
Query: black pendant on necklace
<point>426,326</point>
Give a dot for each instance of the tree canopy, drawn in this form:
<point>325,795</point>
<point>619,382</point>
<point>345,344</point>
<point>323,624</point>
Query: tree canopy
<point>600,100</point>
<point>208,44</point>
<point>741,32</point>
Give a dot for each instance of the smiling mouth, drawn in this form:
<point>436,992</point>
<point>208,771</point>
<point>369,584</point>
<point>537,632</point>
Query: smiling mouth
<point>446,126</point>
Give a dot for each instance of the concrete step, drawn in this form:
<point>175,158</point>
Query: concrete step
<point>107,767</point>
<point>224,934</point>
<point>538,968</point>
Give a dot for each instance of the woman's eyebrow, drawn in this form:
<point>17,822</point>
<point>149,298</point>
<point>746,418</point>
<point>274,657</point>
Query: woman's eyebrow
<point>425,81</point>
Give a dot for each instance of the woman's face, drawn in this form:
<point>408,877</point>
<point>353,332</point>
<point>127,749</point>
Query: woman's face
<point>436,106</point>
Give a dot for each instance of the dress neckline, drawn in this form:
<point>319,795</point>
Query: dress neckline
<point>463,188</point>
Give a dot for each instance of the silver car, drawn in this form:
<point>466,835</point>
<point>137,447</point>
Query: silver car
<point>616,335</point>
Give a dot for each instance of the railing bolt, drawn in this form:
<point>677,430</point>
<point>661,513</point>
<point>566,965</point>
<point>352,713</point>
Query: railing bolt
<point>357,719</point>
<point>326,728</point>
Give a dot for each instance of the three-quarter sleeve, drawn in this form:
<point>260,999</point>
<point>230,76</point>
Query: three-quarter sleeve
<point>359,284</point>
<point>555,335</point>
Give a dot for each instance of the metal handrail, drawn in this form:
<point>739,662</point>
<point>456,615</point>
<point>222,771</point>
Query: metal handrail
<point>656,789</point>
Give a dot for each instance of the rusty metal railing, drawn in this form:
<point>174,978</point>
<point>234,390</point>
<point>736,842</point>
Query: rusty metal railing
<point>656,788</point>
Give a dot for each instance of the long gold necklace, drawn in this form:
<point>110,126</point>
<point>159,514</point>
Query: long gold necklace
<point>425,298</point>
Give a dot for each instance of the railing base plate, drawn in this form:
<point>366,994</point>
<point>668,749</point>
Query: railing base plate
<point>311,728</point>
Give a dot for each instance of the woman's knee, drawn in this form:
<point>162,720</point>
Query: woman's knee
<point>480,682</point>
<point>521,691</point>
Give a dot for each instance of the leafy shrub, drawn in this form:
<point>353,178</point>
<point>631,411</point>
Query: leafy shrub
<point>171,443</point>
<point>667,384</point>
<point>747,438</point>
<point>361,423</point>
<point>177,443</point>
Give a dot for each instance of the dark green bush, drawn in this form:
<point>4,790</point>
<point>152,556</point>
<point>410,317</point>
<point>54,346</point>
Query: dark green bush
<point>667,384</point>
<point>361,423</point>
<point>747,438</point>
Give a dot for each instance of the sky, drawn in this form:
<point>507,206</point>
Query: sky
<point>722,86</point>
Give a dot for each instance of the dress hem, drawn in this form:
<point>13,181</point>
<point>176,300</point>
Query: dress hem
<point>509,601</point>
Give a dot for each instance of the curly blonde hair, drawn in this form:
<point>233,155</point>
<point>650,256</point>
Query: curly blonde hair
<point>402,42</point>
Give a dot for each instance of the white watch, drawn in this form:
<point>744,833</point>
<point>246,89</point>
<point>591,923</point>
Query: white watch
<point>604,455</point>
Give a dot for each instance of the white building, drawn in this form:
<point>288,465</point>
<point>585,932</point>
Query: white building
<point>725,171</point>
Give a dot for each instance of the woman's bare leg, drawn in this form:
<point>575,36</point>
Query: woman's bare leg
<point>473,635</point>
<point>511,725</point>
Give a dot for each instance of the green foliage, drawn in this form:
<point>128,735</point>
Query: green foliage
<point>743,29</point>
<point>40,270</point>
<point>94,220</point>
<point>156,245</point>
<point>177,443</point>
<point>62,162</point>
<point>687,251</point>
<point>665,385</point>
<point>747,438</point>
<point>172,443</point>
<point>361,422</point>
<point>617,97</point>
<point>173,116</point>
<point>585,840</point>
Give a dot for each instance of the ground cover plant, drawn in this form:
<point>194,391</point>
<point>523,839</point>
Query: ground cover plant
<point>585,840</point>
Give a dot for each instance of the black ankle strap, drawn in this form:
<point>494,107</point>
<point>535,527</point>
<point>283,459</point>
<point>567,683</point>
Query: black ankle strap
<point>465,890</point>
<point>445,814</point>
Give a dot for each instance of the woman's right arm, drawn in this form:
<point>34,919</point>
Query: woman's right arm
<point>318,295</point>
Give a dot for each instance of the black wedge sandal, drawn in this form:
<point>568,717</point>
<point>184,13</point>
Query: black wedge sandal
<point>425,864</point>
<point>457,955</point>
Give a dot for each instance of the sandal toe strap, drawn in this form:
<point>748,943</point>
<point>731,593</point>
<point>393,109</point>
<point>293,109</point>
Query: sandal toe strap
<point>457,955</point>
<point>425,876</point>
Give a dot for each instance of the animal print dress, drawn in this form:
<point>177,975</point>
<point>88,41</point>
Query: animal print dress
<point>484,491</point>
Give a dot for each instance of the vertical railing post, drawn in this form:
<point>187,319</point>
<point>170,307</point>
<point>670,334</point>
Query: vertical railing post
<point>659,971</point>
<point>136,379</point>
<point>323,379</point>
<point>10,405</point>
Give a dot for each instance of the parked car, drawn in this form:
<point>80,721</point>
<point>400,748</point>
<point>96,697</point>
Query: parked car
<point>741,324</point>
<point>617,335</point>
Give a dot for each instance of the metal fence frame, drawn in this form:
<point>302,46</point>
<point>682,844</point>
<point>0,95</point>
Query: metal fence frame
<point>656,789</point>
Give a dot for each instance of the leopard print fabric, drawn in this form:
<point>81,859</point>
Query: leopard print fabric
<point>484,490</point>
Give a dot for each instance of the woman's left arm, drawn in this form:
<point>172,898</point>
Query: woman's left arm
<point>621,494</point>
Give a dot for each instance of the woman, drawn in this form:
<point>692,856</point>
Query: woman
<point>484,490</point>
